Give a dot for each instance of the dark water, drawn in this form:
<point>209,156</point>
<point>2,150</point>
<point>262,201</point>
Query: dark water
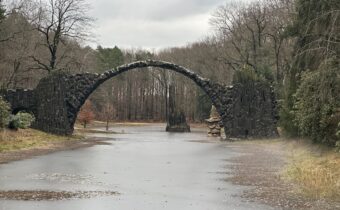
<point>151,169</point>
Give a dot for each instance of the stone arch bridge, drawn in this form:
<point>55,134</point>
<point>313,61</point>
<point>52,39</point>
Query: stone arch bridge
<point>247,110</point>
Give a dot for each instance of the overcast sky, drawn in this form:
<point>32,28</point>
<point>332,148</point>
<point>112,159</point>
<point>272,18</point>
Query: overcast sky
<point>151,24</point>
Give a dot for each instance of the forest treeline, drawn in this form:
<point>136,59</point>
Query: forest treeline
<point>293,44</point>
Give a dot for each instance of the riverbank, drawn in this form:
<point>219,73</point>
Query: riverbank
<point>29,138</point>
<point>27,143</point>
<point>287,174</point>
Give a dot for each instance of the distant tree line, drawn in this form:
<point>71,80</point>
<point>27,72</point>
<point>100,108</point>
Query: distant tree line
<point>293,44</point>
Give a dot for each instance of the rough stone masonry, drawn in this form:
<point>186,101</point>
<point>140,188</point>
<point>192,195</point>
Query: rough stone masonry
<point>247,110</point>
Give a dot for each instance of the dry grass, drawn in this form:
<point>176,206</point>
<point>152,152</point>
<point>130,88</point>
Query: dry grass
<point>82,131</point>
<point>315,170</point>
<point>96,124</point>
<point>29,138</point>
<point>260,141</point>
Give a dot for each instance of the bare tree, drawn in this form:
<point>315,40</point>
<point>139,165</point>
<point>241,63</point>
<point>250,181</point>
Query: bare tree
<point>241,30</point>
<point>108,113</point>
<point>10,9</point>
<point>60,21</point>
<point>279,15</point>
<point>86,115</point>
<point>15,64</point>
<point>253,35</point>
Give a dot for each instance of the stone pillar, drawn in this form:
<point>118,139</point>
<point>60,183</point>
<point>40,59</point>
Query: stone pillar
<point>214,123</point>
<point>176,121</point>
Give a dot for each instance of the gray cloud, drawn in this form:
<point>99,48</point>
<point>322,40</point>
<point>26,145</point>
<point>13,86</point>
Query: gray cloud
<point>151,23</point>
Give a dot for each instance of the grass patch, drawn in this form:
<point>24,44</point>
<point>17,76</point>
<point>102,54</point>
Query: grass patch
<point>29,138</point>
<point>315,169</point>
<point>81,130</point>
<point>258,141</point>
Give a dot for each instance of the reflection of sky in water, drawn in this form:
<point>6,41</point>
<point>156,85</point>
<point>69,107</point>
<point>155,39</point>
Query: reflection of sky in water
<point>151,169</point>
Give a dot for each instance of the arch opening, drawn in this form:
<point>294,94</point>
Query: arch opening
<point>210,88</point>
<point>21,109</point>
<point>133,106</point>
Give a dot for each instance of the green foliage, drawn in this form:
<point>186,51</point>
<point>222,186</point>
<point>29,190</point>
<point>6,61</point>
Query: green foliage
<point>2,11</point>
<point>338,132</point>
<point>286,121</point>
<point>316,27</point>
<point>143,55</point>
<point>315,19</point>
<point>4,113</point>
<point>317,103</point>
<point>21,120</point>
<point>266,73</point>
<point>310,97</point>
<point>337,144</point>
<point>246,75</point>
<point>14,122</point>
<point>109,57</point>
<point>286,112</point>
<point>26,119</point>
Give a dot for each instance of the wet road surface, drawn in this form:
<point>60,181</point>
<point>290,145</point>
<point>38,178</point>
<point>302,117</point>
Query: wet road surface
<point>149,168</point>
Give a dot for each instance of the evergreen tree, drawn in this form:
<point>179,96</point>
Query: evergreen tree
<point>109,57</point>
<point>2,11</point>
<point>317,32</point>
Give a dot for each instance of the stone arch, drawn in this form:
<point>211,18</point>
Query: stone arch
<point>77,97</point>
<point>58,98</point>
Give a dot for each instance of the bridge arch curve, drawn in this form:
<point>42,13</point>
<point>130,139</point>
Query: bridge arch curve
<point>200,81</point>
<point>210,88</point>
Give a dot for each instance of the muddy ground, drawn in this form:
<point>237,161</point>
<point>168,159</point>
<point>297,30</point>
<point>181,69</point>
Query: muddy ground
<point>262,167</point>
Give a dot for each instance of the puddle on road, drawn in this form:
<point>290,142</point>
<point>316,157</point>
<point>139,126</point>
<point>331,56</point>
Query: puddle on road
<point>43,195</point>
<point>58,177</point>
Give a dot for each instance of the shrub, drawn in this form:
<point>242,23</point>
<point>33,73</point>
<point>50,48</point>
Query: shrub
<point>337,144</point>
<point>4,113</point>
<point>14,122</point>
<point>286,120</point>
<point>338,131</point>
<point>245,75</point>
<point>317,104</point>
<point>25,119</point>
<point>21,120</point>
<point>248,75</point>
